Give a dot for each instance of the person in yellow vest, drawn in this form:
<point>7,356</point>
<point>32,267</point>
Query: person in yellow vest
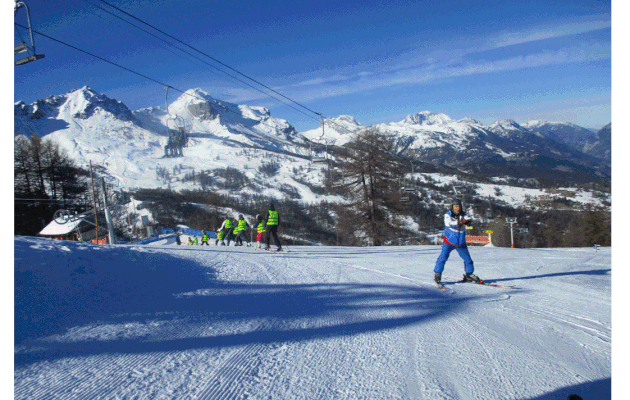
<point>226,228</point>
<point>204,238</point>
<point>261,230</point>
<point>235,230</point>
<point>195,242</point>
<point>241,228</point>
<point>190,242</point>
<point>220,234</point>
<point>272,223</point>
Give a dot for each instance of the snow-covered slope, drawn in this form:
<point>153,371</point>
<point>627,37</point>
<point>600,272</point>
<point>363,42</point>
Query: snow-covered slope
<point>314,323</point>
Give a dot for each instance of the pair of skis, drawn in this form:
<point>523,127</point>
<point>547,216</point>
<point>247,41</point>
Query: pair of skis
<point>481,282</point>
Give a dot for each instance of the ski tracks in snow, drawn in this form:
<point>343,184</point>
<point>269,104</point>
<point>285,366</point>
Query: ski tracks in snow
<point>305,325</point>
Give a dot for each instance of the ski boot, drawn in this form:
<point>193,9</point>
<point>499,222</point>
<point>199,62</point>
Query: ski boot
<point>470,277</point>
<point>438,278</point>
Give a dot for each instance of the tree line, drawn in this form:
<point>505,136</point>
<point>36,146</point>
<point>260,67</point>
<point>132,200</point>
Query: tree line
<point>368,173</point>
<point>45,179</point>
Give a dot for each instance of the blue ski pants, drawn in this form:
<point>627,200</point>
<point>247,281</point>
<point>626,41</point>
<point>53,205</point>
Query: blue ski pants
<point>463,253</point>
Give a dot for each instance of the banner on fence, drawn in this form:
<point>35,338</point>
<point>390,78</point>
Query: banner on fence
<point>100,241</point>
<point>478,239</point>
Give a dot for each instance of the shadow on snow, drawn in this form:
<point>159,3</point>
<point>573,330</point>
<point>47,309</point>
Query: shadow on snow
<point>590,272</point>
<point>110,286</point>
<point>594,390</point>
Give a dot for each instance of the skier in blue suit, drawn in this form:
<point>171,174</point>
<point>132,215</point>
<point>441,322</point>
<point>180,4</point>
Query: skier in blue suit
<point>455,220</point>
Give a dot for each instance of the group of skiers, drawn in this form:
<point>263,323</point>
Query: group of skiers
<point>455,221</point>
<point>234,230</point>
<point>265,229</point>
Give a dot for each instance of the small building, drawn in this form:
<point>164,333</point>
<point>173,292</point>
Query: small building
<point>79,227</point>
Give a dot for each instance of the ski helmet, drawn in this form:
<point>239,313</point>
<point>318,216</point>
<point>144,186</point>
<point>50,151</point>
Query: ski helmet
<point>456,202</point>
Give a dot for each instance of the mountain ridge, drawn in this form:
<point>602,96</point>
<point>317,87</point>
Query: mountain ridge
<point>90,126</point>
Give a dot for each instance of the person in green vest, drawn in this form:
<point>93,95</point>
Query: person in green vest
<point>241,228</point>
<point>204,238</point>
<point>195,242</point>
<point>261,230</point>
<point>272,223</point>
<point>190,242</point>
<point>220,234</point>
<point>226,228</point>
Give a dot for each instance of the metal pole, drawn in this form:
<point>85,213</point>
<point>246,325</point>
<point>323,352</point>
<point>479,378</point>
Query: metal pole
<point>94,199</point>
<point>110,227</point>
<point>511,221</point>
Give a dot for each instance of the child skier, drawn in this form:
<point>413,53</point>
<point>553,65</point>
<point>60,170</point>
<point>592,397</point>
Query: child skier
<point>261,230</point>
<point>204,238</point>
<point>455,239</point>
<point>220,234</point>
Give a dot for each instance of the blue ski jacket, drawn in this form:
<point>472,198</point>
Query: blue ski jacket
<point>453,234</point>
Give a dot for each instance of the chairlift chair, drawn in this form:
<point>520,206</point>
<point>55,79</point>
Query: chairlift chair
<point>318,151</point>
<point>22,46</point>
<point>176,127</point>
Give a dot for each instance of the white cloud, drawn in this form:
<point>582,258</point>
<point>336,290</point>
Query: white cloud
<point>559,29</point>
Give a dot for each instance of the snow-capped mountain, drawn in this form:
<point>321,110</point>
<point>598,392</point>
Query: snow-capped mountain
<point>600,145</point>
<point>567,133</point>
<point>55,113</point>
<point>208,117</point>
<point>427,118</point>
<point>129,145</point>
<point>337,131</point>
<point>437,138</point>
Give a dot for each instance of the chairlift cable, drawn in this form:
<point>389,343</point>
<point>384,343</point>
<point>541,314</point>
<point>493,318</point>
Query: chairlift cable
<point>134,72</point>
<point>149,33</point>
<point>212,58</point>
<point>197,58</point>
<point>22,40</point>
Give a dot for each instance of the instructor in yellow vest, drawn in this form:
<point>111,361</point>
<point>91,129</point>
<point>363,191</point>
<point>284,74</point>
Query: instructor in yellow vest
<point>226,228</point>
<point>273,221</point>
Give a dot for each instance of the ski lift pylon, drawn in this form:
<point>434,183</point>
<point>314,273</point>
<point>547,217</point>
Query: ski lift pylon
<point>23,47</point>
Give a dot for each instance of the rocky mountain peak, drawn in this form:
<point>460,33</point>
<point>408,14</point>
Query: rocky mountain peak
<point>427,118</point>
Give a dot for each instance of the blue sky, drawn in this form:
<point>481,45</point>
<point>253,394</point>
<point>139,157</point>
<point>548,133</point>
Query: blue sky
<point>377,61</point>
